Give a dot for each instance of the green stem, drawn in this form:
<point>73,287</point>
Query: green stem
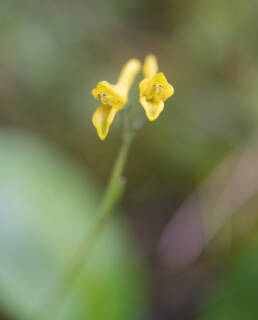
<point>111,198</point>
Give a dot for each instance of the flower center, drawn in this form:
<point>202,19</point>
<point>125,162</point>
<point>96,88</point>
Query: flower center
<point>155,93</point>
<point>103,98</point>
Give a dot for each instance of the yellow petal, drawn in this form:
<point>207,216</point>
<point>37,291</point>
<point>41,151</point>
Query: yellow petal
<point>160,79</point>
<point>152,109</point>
<point>169,91</point>
<point>102,119</point>
<point>150,67</point>
<point>107,93</point>
<point>145,85</point>
<point>127,76</point>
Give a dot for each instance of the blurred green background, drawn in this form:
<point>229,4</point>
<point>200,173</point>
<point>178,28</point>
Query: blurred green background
<point>164,255</point>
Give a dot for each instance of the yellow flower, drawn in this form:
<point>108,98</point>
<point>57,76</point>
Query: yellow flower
<point>113,97</point>
<point>154,90</point>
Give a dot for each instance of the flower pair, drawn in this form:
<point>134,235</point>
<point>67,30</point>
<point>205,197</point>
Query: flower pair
<point>154,91</point>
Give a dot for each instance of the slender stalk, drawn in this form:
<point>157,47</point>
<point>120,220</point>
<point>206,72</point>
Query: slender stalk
<point>111,198</point>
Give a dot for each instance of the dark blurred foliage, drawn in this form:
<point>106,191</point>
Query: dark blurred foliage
<point>54,52</point>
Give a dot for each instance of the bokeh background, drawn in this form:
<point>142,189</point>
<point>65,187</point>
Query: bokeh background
<point>184,242</point>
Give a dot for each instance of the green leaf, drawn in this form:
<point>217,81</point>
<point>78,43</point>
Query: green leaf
<point>47,203</point>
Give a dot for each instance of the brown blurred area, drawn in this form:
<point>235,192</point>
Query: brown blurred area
<point>191,199</point>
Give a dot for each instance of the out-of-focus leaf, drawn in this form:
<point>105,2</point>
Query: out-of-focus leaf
<point>46,205</point>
